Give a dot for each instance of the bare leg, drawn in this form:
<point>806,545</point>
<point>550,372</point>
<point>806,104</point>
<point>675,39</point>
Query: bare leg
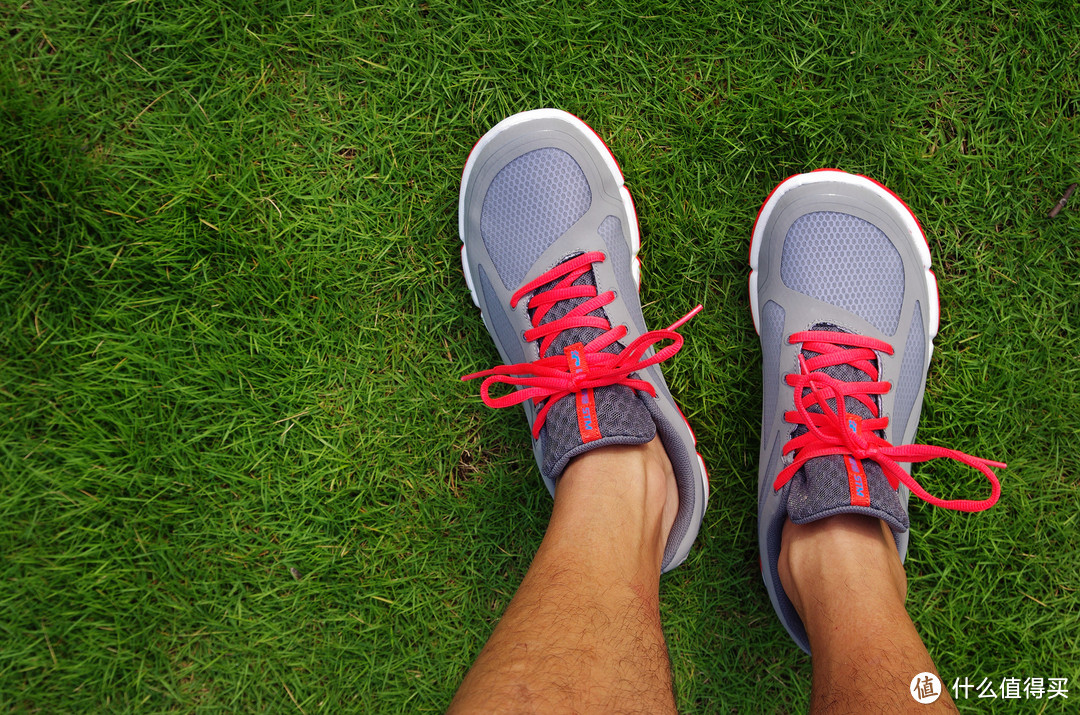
<point>845,579</point>
<point>583,633</point>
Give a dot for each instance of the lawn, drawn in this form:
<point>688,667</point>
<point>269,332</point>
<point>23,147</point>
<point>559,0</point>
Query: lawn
<point>238,471</point>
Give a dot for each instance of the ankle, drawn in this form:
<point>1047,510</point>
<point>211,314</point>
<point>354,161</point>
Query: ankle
<point>622,491</point>
<point>829,561</point>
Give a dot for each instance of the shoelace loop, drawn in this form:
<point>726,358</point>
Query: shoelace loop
<point>837,432</point>
<point>550,377</point>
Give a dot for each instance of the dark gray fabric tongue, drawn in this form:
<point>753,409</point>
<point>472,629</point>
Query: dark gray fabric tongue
<point>821,488</point>
<point>621,415</point>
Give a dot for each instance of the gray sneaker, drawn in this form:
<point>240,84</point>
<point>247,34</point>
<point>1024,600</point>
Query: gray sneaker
<point>550,256</point>
<point>846,305</point>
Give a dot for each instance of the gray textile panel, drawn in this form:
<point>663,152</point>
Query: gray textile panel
<point>912,375</point>
<point>500,323</point>
<point>620,415</point>
<point>820,489</point>
<point>772,329</point>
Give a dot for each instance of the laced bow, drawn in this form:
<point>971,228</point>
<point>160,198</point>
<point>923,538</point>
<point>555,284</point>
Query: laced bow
<point>550,377</point>
<point>835,431</point>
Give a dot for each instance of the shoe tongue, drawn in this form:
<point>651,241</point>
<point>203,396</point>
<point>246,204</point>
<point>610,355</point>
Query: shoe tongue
<point>621,416</point>
<point>840,484</point>
<point>575,335</point>
<point>843,372</point>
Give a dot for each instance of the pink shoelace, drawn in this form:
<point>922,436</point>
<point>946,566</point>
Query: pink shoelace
<point>838,432</point>
<point>552,377</point>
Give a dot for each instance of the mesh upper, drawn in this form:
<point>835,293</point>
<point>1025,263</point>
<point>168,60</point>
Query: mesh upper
<point>772,328</point>
<point>618,252</point>
<point>847,262</point>
<point>532,201</point>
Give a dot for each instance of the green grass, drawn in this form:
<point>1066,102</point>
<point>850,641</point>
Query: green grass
<point>239,471</point>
